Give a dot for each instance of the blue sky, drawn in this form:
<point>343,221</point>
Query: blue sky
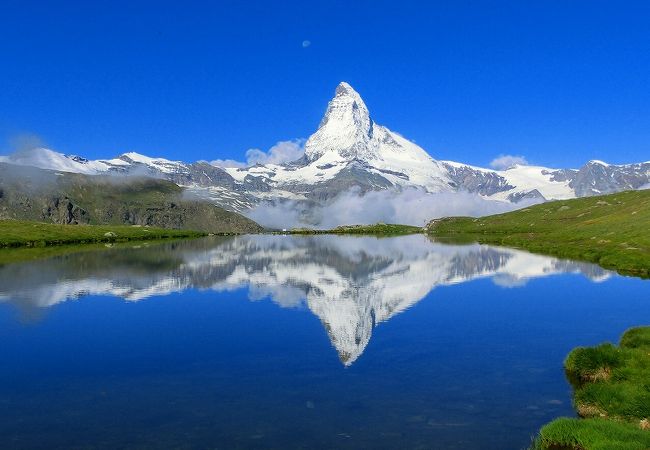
<point>559,82</point>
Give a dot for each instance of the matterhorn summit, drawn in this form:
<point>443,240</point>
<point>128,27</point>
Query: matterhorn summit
<point>346,128</point>
<point>350,141</point>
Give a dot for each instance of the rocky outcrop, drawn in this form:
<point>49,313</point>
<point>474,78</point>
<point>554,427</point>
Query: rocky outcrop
<point>70,199</point>
<point>63,211</point>
<point>597,178</point>
<point>475,180</point>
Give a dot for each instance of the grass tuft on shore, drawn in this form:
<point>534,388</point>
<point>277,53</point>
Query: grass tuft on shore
<point>591,434</point>
<point>610,230</point>
<point>612,394</point>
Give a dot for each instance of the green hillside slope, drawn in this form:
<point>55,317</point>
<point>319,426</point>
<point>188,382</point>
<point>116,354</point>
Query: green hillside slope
<point>47,196</point>
<point>611,230</point>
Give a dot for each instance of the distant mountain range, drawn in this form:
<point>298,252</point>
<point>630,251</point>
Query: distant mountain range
<point>350,151</point>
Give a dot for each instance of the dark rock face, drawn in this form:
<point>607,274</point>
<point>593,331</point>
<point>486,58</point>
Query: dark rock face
<point>201,174</point>
<point>63,211</point>
<point>257,184</point>
<point>562,175</point>
<point>355,177</point>
<point>77,158</point>
<point>595,178</point>
<point>530,195</point>
<point>35,194</point>
<point>477,181</point>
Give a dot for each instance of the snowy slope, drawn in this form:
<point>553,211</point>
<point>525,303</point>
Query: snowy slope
<point>522,179</point>
<point>48,159</point>
<point>160,164</point>
<point>535,178</point>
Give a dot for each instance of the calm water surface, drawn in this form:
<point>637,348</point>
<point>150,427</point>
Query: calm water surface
<point>297,342</point>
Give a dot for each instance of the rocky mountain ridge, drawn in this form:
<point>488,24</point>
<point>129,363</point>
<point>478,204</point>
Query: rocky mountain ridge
<point>350,150</point>
<point>28,193</point>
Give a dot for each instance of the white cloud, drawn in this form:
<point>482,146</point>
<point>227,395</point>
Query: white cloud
<point>227,163</point>
<point>503,162</point>
<point>26,142</point>
<point>282,152</point>
<point>21,144</point>
<point>410,206</point>
<point>508,280</point>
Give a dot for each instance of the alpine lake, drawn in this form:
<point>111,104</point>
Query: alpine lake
<point>310,342</point>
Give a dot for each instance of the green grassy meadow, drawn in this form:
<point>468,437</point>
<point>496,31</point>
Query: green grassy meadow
<point>610,230</point>
<point>19,233</point>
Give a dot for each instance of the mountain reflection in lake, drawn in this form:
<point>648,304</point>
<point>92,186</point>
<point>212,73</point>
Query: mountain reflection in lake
<point>476,365</point>
<point>350,283</point>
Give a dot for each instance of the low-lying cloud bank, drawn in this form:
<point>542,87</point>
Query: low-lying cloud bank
<point>409,207</point>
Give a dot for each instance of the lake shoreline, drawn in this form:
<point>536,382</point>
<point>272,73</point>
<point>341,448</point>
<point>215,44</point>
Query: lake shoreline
<point>610,396</point>
<point>30,234</point>
<point>569,251</point>
<point>378,229</point>
<point>608,230</point>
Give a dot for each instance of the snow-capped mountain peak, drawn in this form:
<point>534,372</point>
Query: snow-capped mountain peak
<point>161,164</point>
<point>348,108</point>
<point>45,158</point>
<point>346,129</point>
<point>350,144</point>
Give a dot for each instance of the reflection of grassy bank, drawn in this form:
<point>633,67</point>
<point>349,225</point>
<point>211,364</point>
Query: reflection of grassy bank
<point>23,254</point>
<point>612,394</point>
<point>610,230</point>
<point>18,233</point>
<point>376,229</point>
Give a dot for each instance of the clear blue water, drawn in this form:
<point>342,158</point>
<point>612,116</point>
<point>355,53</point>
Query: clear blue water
<point>297,342</point>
